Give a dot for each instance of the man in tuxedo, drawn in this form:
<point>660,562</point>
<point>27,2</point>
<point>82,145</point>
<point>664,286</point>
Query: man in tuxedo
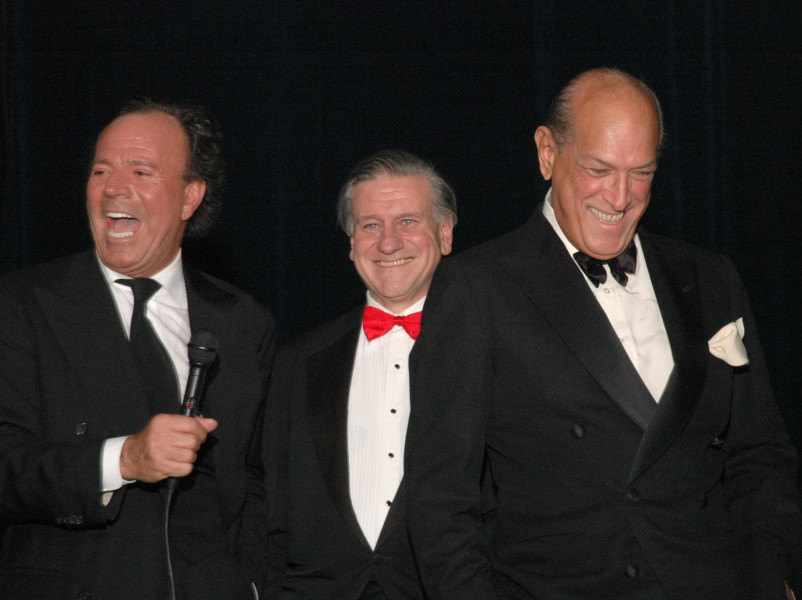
<point>89,429</point>
<point>339,398</point>
<point>614,382</point>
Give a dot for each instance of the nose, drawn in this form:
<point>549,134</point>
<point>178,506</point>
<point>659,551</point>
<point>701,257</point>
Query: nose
<point>390,241</point>
<point>116,184</point>
<point>618,192</point>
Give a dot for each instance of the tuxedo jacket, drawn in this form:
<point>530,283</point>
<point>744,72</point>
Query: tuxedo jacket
<point>601,492</point>
<point>68,381</point>
<point>318,548</point>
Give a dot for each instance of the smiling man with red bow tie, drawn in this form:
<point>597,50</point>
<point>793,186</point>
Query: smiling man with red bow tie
<point>339,402</point>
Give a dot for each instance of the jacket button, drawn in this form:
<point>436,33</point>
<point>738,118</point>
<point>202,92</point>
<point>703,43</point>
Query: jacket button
<point>633,495</point>
<point>85,596</point>
<point>80,429</point>
<point>632,571</point>
<point>578,431</point>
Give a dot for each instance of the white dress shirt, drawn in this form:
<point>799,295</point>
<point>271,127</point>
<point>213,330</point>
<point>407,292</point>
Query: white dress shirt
<point>378,413</point>
<point>633,313</point>
<point>168,313</point>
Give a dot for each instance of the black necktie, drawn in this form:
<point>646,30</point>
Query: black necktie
<point>619,266</point>
<point>155,366</point>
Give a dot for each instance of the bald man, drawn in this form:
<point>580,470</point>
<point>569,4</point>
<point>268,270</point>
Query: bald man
<point>614,382</point>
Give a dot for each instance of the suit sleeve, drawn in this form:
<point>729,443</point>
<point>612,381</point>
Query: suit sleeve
<point>761,465</point>
<point>451,388</point>
<point>48,473</point>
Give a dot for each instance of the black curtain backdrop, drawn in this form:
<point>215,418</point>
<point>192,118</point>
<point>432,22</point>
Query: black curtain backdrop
<point>304,89</point>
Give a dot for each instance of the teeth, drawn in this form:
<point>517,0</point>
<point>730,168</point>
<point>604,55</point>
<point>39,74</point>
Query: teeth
<point>605,217</point>
<point>119,215</point>
<point>124,234</point>
<point>393,263</point>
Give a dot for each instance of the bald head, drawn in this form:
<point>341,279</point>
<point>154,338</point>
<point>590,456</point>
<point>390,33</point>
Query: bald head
<point>603,84</point>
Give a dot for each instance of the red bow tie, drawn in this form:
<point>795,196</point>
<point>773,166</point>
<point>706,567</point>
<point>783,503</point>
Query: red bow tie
<point>376,323</point>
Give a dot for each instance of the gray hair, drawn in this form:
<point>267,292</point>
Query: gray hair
<point>560,120</point>
<point>396,163</point>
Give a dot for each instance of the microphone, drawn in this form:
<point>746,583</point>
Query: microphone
<point>202,350</point>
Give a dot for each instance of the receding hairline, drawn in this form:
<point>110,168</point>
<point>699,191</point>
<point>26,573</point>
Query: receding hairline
<point>585,87</point>
<point>612,82</point>
<point>148,112</point>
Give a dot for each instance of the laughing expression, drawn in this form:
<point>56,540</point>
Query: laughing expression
<point>602,176</point>
<point>137,199</point>
<point>397,241</point>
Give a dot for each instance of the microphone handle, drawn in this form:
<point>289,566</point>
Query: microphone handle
<point>190,407</point>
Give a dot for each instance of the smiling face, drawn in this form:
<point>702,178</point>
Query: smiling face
<point>397,241</point>
<point>602,175</point>
<point>137,199</point>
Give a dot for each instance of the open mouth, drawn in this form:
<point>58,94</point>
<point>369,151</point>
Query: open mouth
<point>121,225</point>
<point>604,217</point>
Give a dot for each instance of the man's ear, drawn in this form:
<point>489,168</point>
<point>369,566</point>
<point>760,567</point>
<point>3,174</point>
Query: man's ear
<point>193,196</point>
<point>546,150</point>
<point>446,234</point>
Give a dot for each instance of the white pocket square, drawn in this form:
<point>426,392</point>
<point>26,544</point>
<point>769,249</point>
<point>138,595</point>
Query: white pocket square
<point>727,344</point>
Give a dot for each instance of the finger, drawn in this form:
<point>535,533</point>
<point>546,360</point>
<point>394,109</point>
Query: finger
<point>208,425</point>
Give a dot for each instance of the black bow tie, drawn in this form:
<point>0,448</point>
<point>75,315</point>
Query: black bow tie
<point>619,266</point>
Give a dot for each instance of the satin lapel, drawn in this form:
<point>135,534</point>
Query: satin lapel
<point>329,379</point>
<point>677,292</point>
<point>87,326</point>
<point>546,272</point>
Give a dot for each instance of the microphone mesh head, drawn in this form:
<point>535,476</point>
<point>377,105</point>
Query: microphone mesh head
<point>202,347</point>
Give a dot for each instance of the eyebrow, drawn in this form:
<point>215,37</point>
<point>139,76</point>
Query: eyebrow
<point>136,162</point>
<point>141,162</point>
<point>652,163</point>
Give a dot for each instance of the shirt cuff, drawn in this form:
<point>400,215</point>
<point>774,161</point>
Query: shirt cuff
<point>110,477</point>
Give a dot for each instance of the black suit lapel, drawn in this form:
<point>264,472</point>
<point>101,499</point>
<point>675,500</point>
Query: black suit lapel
<point>677,292</point>
<point>209,307</point>
<point>329,379</point>
<point>87,326</point>
<point>542,266</point>
<point>394,515</point>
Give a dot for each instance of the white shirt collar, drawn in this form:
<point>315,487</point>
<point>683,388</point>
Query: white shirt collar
<point>416,307</point>
<point>171,278</point>
<point>548,212</point>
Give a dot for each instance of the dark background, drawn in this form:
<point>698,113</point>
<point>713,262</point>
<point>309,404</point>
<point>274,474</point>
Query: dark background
<point>304,89</point>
